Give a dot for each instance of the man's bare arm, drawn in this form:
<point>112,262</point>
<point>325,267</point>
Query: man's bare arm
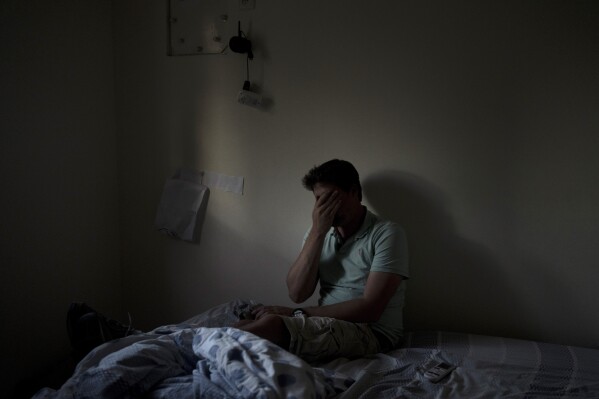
<point>303,274</point>
<point>379,290</point>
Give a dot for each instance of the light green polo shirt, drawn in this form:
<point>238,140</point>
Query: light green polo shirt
<point>378,246</point>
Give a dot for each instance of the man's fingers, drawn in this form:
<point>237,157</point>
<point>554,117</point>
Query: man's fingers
<point>266,310</point>
<point>325,209</point>
<point>257,311</point>
<point>328,203</point>
<point>331,208</point>
<point>326,198</point>
<point>336,206</point>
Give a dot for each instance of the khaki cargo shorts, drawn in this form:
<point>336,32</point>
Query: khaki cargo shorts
<point>324,338</point>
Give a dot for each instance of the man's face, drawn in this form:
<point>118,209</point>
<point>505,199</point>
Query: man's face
<point>347,201</point>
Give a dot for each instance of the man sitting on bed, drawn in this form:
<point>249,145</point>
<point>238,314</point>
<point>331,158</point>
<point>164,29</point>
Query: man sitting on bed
<point>361,263</point>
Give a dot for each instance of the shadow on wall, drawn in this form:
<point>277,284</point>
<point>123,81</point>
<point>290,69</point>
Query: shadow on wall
<point>455,284</point>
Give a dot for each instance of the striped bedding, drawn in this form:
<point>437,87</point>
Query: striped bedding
<point>204,358</point>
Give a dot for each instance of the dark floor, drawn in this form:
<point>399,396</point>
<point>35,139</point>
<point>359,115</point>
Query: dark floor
<point>53,377</point>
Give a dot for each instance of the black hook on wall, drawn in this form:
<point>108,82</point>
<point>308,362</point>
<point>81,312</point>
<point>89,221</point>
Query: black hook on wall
<point>241,44</point>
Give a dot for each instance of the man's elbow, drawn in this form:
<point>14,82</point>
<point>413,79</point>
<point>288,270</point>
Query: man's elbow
<point>298,297</point>
<point>299,293</point>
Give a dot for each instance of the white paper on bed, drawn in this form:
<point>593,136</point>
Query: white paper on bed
<point>179,212</point>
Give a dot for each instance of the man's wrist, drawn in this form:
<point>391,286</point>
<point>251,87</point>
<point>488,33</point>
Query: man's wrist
<point>318,233</point>
<point>309,311</point>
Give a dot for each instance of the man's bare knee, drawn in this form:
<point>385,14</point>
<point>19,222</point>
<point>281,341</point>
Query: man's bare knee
<point>242,323</point>
<point>270,327</point>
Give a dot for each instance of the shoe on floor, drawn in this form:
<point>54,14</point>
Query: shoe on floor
<point>88,328</point>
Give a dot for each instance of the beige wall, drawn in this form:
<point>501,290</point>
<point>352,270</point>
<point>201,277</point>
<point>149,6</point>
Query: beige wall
<point>474,124</point>
<point>59,199</point>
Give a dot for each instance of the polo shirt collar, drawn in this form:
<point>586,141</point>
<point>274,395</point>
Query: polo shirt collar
<point>368,222</point>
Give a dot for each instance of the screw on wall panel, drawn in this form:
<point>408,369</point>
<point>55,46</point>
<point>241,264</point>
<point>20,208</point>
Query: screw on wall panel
<point>200,49</point>
<point>181,40</point>
<point>247,4</point>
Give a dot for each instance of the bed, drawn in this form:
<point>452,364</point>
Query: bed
<point>205,357</point>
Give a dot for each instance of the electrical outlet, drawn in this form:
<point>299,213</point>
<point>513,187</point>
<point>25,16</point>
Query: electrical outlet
<point>247,4</point>
<point>247,97</point>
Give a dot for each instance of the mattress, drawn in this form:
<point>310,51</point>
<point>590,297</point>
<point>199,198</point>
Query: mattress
<point>204,357</point>
<point>485,367</point>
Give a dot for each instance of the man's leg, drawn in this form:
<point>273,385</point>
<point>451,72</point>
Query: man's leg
<point>318,339</point>
<point>242,323</point>
<point>270,327</point>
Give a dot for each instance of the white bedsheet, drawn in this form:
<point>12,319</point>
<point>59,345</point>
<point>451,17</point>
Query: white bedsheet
<point>486,367</point>
<point>197,359</point>
<point>197,363</point>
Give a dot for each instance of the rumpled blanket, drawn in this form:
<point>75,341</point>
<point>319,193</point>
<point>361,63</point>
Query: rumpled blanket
<point>197,363</point>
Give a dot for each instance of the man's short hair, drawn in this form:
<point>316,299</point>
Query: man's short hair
<point>337,172</point>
